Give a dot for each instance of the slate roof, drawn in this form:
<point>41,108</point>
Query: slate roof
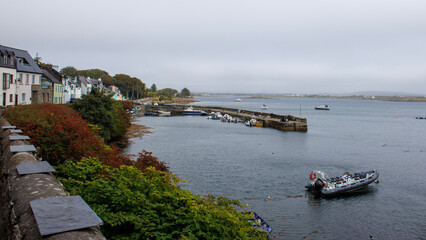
<point>83,80</point>
<point>51,77</point>
<point>31,67</point>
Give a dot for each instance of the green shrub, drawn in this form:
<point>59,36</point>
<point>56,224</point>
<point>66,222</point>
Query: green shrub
<point>99,108</point>
<point>149,204</point>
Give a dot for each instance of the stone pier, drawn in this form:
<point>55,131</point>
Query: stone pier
<point>270,120</point>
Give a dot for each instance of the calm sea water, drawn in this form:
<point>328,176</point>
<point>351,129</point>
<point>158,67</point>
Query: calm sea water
<point>252,164</point>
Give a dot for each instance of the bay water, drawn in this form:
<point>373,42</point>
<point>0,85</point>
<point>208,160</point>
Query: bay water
<point>268,169</point>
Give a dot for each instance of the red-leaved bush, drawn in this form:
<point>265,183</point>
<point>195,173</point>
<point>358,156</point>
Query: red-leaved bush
<point>60,134</point>
<point>127,105</point>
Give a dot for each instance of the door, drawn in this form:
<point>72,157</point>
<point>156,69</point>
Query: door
<point>4,99</point>
<point>16,99</point>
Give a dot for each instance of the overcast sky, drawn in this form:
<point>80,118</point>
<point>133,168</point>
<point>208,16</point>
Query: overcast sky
<point>243,46</point>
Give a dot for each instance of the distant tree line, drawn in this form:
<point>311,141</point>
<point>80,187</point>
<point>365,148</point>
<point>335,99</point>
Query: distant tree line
<point>166,93</point>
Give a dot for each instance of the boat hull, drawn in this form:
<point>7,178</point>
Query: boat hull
<point>351,187</point>
<point>191,113</point>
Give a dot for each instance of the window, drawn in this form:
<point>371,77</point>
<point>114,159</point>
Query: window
<point>23,97</point>
<point>47,97</point>
<point>5,59</point>
<point>56,99</point>
<point>33,79</point>
<point>39,80</point>
<point>12,61</point>
<point>7,79</point>
<point>20,78</point>
<point>11,98</point>
<point>27,78</point>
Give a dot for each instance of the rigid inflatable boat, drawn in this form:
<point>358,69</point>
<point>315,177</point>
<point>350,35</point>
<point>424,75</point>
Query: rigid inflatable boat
<point>326,186</point>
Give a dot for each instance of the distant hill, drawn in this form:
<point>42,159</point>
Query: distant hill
<point>381,93</point>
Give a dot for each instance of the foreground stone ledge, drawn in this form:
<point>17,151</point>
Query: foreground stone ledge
<point>17,191</point>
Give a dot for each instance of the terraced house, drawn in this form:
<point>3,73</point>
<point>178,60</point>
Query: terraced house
<point>52,88</point>
<point>20,77</point>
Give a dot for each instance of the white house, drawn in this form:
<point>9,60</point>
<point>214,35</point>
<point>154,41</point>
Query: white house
<point>86,86</point>
<point>20,77</point>
<point>117,93</point>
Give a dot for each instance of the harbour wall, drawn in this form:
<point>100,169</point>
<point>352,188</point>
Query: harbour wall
<point>270,120</point>
<point>17,220</point>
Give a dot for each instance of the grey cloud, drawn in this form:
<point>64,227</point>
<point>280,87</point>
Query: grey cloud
<point>234,46</point>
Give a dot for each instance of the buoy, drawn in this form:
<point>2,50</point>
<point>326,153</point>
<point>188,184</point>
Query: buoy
<point>269,198</point>
<point>312,176</point>
<point>396,116</point>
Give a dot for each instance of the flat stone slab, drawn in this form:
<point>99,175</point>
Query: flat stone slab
<point>20,137</point>
<point>16,131</point>
<point>8,127</point>
<point>34,167</point>
<point>62,214</point>
<point>22,148</point>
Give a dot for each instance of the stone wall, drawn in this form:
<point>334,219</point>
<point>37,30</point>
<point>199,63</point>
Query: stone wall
<point>17,220</point>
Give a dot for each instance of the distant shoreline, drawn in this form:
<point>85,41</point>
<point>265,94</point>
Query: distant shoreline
<point>374,98</point>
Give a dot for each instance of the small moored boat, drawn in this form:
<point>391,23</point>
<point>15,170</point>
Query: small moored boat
<point>322,107</point>
<point>326,186</point>
<point>264,106</point>
<point>191,111</point>
<point>259,223</point>
<point>164,113</point>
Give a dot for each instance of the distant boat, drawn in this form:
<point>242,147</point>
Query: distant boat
<point>322,107</point>
<point>191,111</point>
<point>164,113</point>
<point>264,106</point>
<point>238,100</point>
<point>253,123</point>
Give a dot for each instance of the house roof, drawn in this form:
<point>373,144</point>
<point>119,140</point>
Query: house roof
<point>29,66</point>
<point>50,77</point>
<point>83,80</point>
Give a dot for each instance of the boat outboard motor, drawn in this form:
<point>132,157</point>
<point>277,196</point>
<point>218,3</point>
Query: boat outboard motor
<point>319,184</point>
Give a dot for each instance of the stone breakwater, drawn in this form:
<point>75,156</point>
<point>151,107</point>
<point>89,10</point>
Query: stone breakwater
<point>280,122</point>
<point>17,191</point>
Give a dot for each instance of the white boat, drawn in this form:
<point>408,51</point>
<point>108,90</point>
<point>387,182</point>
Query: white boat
<point>191,111</point>
<point>238,100</point>
<point>322,107</point>
<point>164,113</point>
<point>326,186</point>
<point>264,106</point>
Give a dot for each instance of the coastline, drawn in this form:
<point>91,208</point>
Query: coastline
<point>137,131</point>
<point>355,97</point>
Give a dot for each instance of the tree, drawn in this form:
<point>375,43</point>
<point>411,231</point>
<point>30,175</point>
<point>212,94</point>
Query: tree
<point>168,92</point>
<point>154,87</point>
<point>185,92</point>
<point>99,108</point>
<point>69,71</point>
<point>93,73</point>
<point>131,86</point>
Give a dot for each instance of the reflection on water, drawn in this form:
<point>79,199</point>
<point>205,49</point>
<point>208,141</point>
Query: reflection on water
<point>252,164</point>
